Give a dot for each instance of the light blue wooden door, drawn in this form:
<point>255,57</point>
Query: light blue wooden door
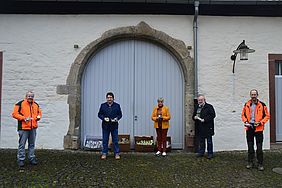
<point>157,74</point>
<point>137,72</point>
<point>111,69</point>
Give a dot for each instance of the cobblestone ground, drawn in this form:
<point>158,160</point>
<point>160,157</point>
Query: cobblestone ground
<point>178,169</point>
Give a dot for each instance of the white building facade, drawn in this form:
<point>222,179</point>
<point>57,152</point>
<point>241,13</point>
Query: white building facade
<point>39,51</point>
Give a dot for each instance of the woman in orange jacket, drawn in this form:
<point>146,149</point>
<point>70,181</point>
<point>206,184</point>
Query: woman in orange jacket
<point>161,117</point>
<point>28,113</point>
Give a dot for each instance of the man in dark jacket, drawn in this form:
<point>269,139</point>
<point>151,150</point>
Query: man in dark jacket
<point>110,113</point>
<point>203,116</point>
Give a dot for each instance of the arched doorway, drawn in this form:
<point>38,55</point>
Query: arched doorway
<point>138,72</point>
<point>143,32</point>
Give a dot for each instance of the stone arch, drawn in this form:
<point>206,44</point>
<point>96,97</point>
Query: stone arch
<point>141,32</point>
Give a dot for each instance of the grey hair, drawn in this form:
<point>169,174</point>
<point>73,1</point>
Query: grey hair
<point>201,95</point>
<point>29,91</point>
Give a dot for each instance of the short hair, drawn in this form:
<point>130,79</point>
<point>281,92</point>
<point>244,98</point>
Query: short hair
<point>160,99</point>
<point>111,94</point>
<point>254,90</point>
<point>29,92</point>
<point>201,95</point>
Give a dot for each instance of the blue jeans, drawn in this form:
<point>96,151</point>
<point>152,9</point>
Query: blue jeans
<point>202,145</point>
<point>24,135</point>
<point>106,133</point>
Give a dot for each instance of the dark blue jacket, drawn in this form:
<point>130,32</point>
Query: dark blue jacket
<point>113,111</point>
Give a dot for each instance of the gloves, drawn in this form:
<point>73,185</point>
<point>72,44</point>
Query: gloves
<point>106,119</point>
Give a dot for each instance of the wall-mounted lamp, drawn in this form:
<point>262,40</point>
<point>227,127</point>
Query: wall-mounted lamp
<point>243,49</point>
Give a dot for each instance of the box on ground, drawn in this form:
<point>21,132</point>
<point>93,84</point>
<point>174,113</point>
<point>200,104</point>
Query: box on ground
<point>93,143</point>
<point>123,142</point>
<point>144,143</point>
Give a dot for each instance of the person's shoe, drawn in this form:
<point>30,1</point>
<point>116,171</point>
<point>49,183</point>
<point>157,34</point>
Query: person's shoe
<point>21,163</point>
<point>103,156</point>
<point>33,162</point>
<point>164,154</point>
<point>260,167</point>
<point>199,155</point>
<point>117,157</point>
<point>210,156</point>
<point>250,165</point>
<point>158,153</point>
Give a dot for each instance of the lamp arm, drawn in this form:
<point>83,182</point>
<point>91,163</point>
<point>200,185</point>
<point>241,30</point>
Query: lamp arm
<point>233,68</point>
<point>233,57</point>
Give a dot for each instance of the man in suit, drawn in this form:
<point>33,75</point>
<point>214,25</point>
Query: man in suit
<point>203,116</point>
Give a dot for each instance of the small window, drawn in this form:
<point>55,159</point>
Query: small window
<point>278,67</point>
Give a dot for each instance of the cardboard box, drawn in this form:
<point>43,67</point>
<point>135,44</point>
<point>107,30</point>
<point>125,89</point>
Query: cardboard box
<point>93,143</point>
<point>144,143</point>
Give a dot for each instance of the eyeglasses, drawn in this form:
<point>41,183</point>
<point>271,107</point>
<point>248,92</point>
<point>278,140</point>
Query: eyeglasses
<point>30,96</point>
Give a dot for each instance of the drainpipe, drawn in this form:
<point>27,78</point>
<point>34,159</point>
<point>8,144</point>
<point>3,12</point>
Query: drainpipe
<point>192,138</point>
<point>195,33</point>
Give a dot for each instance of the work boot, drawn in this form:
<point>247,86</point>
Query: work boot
<point>117,157</point>
<point>199,155</point>
<point>103,156</point>
<point>33,162</point>
<point>210,156</point>
<point>21,163</point>
<point>250,165</point>
<point>260,167</point>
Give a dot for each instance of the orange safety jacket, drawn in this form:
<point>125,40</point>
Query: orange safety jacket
<point>261,114</point>
<point>22,110</point>
<point>165,115</point>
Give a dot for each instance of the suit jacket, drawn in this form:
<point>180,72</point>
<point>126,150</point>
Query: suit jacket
<point>113,111</point>
<point>206,128</point>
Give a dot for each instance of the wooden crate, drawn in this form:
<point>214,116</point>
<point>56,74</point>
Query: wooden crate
<point>123,142</point>
<point>168,144</point>
<point>144,143</point>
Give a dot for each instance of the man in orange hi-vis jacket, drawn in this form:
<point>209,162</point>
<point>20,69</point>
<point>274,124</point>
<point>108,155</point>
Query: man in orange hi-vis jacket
<point>28,113</point>
<point>254,115</point>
